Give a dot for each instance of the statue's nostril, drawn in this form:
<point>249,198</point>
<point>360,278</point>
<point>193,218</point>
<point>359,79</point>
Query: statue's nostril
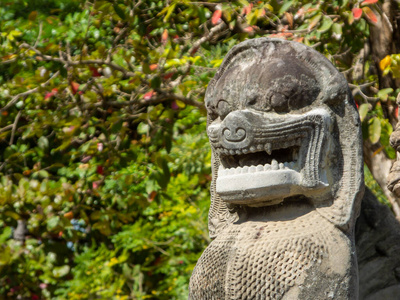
<point>227,133</point>
<point>234,134</point>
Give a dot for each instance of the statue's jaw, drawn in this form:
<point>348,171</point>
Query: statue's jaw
<point>261,187</point>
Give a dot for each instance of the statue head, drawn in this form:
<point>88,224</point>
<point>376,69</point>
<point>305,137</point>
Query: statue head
<point>282,125</point>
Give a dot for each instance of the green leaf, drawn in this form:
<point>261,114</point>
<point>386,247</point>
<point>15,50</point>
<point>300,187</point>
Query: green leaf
<point>5,235</point>
<point>386,131</point>
<point>384,93</point>
<point>326,24</point>
<point>143,128</point>
<point>337,29</point>
<point>156,82</point>
<point>116,127</point>
<point>286,5</point>
<point>314,21</point>
<point>120,12</point>
<point>374,130</point>
<point>170,10</point>
<point>43,143</point>
<point>61,271</point>
<point>146,68</point>
<point>363,110</point>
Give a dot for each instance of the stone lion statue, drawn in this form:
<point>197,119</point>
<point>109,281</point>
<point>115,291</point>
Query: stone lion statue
<point>287,177</point>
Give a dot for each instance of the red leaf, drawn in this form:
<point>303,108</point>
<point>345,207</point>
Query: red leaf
<point>370,14</point>
<point>396,112</point>
<point>153,67</point>
<point>69,215</point>
<point>151,196</point>
<point>216,17</point>
<point>50,94</point>
<point>95,72</point>
<point>193,52</point>
<point>148,95</point>
<point>74,87</point>
<point>168,75</point>
<point>357,12</point>
<point>249,29</point>
<point>246,10</point>
<point>100,147</point>
<point>164,36</point>
<point>174,106</point>
<point>95,185</point>
<point>100,170</point>
<point>368,2</point>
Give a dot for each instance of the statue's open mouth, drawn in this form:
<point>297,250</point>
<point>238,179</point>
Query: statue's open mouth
<point>259,161</point>
<point>268,164</point>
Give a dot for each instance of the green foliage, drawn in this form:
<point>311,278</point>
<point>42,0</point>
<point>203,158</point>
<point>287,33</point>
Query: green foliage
<point>103,151</point>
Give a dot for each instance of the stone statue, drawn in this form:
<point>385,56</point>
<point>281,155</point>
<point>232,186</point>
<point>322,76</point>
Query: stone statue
<point>287,178</point>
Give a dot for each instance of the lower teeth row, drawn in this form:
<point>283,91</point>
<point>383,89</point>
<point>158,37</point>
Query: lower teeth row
<point>252,169</point>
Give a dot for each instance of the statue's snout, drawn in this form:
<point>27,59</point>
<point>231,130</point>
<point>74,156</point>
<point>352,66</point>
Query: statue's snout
<point>236,130</point>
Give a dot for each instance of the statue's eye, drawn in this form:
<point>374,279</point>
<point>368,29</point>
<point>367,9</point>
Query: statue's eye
<point>279,102</point>
<point>223,108</point>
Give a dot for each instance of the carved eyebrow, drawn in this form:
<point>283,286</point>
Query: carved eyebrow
<point>220,100</point>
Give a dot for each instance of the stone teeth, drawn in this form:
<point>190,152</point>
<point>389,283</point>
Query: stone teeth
<point>238,152</point>
<point>252,148</point>
<point>238,170</point>
<point>267,167</point>
<point>295,155</point>
<point>260,168</point>
<point>291,165</point>
<point>231,152</point>
<point>252,169</point>
<point>274,164</point>
<point>281,166</point>
<point>245,169</point>
<point>268,148</point>
<point>245,150</point>
<point>259,147</point>
<point>226,151</point>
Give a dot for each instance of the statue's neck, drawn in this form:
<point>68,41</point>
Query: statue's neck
<point>286,210</point>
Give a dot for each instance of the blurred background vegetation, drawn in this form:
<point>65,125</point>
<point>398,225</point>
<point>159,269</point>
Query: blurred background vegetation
<point>104,160</point>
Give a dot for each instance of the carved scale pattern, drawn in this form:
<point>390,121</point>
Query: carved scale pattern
<point>262,260</point>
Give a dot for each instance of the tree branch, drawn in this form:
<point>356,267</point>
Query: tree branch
<point>24,94</point>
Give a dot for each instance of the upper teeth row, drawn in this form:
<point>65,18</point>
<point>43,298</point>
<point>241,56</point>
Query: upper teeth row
<point>252,169</point>
<point>261,147</point>
<point>267,147</point>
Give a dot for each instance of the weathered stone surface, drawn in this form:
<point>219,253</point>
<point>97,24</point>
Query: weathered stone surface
<point>378,251</point>
<point>287,177</point>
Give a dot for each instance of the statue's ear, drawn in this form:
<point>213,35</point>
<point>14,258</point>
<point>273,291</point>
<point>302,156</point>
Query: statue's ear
<point>347,199</point>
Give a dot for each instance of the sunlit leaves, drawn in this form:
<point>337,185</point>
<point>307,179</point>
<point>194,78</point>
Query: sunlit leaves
<point>391,64</point>
<point>374,130</point>
<point>363,110</point>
